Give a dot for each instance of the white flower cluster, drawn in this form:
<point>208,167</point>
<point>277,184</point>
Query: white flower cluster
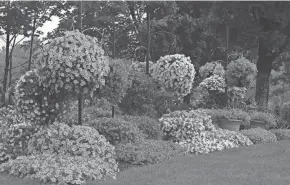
<point>73,62</point>
<point>175,72</point>
<point>65,155</point>
<point>194,130</point>
<point>213,83</point>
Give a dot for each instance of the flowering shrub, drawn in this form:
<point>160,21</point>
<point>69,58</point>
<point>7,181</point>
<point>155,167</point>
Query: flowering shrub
<point>240,72</point>
<point>211,68</point>
<point>175,73</point>
<point>34,102</point>
<point>217,140</point>
<point>194,131</point>
<point>116,83</point>
<point>148,152</point>
<point>285,113</point>
<point>14,134</point>
<point>61,154</point>
<point>14,139</point>
<point>259,135</point>
<point>60,169</point>
<point>281,134</point>
<point>117,130</point>
<point>183,125</point>
<point>72,63</point>
<point>148,126</point>
<point>214,83</point>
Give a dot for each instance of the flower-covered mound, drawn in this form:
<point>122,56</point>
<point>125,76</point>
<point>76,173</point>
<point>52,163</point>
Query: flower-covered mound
<point>175,72</point>
<point>194,130</point>
<point>281,134</point>
<point>213,83</point>
<point>65,155</point>
<point>212,68</point>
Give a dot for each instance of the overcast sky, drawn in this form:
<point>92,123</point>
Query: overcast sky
<point>47,27</point>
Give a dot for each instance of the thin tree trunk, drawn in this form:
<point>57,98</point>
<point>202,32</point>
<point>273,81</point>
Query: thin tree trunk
<point>114,53</point>
<point>10,69</point>
<point>80,98</point>
<point>6,69</point>
<point>31,43</point>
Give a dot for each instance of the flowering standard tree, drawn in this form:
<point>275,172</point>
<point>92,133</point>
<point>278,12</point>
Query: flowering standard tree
<point>65,67</point>
<point>175,73</point>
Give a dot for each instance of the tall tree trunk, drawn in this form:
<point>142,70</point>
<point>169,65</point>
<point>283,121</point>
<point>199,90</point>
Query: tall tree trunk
<point>6,69</point>
<point>31,43</point>
<point>80,98</point>
<point>264,67</point>
<point>10,68</point>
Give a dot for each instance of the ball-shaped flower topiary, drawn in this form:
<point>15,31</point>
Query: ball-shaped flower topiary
<point>240,73</point>
<point>213,83</point>
<point>74,63</point>
<point>35,102</point>
<point>211,68</point>
<point>175,73</point>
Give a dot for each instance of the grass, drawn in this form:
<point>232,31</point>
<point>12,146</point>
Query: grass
<point>261,164</point>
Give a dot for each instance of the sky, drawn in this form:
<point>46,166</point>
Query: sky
<point>48,26</point>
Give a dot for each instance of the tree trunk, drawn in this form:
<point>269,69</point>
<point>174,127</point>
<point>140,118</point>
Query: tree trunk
<point>31,43</point>
<point>6,69</point>
<point>10,68</point>
<point>264,67</point>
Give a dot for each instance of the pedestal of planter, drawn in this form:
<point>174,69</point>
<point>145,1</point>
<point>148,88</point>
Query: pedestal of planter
<point>230,124</point>
<point>258,124</point>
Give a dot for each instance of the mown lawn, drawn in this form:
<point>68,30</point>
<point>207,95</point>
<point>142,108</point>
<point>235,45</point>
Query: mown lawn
<point>262,164</point>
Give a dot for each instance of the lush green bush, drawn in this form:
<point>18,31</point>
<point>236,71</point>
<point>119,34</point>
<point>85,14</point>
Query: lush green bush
<point>211,68</point>
<point>148,126</point>
<point>286,113</point>
<point>117,130</point>
<point>281,134</point>
<point>236,114</point>
<point>240,72</point>
<point>64,154</point>
<point>117,82</point>
<point>259,135</point>
<point>148,152</point>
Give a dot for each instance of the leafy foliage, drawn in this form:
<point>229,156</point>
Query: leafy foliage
<point>259,135</point>
<point>211,68</point>
<point>268,118</point>
<point>117,130</point>
<point>236,114</point>
<point>148,126</point>
<point>286,112</point>
<point>148,152</point>
<point>240,73</point>
<point>281,134</point>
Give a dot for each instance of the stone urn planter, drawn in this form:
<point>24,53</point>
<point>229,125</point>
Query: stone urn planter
<point>230,124</point>
<point>258,124</point>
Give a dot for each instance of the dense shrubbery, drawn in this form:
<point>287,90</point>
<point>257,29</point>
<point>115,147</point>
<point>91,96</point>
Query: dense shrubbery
<point>259,135</point>
<point>281,134</point>
<point>144,96</point>
<point>211,68</point>
<point>286,113</point>
<point>117,130</point>
<point>64,154</point>
<point>148,152</point>
<point>195,131</point>
<point>148,126</point>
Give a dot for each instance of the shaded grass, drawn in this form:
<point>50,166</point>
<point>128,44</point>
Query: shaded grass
<point>261,164</point>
